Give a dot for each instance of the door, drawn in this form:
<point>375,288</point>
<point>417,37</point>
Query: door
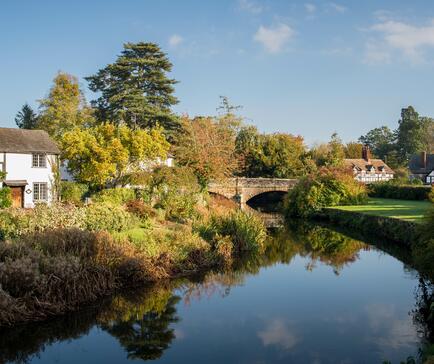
<point>17,196</point>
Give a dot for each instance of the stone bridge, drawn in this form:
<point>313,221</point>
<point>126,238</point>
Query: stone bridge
<point>243,189</point>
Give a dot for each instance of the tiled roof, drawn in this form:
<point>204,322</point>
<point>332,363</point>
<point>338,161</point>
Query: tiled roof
<point>364,165</point>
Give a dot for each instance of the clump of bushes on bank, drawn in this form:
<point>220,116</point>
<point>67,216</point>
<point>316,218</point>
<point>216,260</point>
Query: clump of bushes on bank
<point>114,196</point>
<point>18,222</point>
<point>400,192</point>
<point>173,190</point>
<point>56,271</point>
<point>327,187</point>
<point>246,231</point>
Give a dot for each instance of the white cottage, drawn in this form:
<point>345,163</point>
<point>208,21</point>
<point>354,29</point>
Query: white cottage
<point>368,170</point>
<point>29,158</point>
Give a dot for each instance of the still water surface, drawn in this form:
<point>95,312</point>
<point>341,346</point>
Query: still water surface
<point>317,296</point>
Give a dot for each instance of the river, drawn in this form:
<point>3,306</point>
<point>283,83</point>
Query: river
<point>315,296</point>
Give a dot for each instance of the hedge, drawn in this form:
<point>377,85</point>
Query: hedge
<point>400,231</point>
<point>388,190</point>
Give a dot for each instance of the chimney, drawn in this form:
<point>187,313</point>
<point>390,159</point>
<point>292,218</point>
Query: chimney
<point>423,159</point>
<point>366,153</point>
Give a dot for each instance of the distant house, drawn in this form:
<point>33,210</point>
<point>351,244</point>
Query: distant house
<point>422,167</point>
<point>28,158</point>
<point>368,170</point>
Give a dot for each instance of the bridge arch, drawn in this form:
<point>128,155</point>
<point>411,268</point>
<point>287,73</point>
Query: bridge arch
<point>244,189</point>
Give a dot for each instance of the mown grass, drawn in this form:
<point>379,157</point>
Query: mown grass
<point>414,211</point>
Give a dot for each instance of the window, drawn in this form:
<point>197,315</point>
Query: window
<point>40,192</point>
<point>39,160</point>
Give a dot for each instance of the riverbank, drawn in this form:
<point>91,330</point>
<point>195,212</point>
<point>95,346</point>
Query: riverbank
<point>395,220</point>
<point>167,319</point>
<point>58,270</point>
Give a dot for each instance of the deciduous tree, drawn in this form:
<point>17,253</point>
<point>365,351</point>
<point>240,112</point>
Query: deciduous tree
<point>106,153</point>
<point>207,145</point>
<point>65,107</point>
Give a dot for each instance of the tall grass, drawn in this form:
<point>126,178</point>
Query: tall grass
<point>246,230</point>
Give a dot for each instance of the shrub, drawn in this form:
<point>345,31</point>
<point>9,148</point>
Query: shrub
<point>72,192</point>
<point>5,197</point>
<point>17,222</point>
<point>246,231</point>
<point>104,216</point>
<point>140,209</point>
<point>175,190</point>
<point>114,196</point>
<point>400,192</point>
<point>328,187</point>
<point>431,195</point>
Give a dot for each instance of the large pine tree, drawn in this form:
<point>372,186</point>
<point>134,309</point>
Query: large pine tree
<point>26,118</point>
<point>135,88</point>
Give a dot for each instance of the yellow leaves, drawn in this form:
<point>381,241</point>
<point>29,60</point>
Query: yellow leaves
<point>105,153</point>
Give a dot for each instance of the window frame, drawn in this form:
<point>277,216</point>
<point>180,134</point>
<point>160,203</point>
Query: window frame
<point>41,160</point>
<point>37,192</point>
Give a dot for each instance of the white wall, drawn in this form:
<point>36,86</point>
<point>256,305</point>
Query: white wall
<point>19,167</point>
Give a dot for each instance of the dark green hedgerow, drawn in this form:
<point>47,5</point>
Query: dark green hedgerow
<point>400,192</point>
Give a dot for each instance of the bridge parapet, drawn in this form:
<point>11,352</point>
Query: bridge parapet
<point>243,189</point>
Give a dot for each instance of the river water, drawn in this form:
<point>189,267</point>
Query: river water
<point>315,296</point>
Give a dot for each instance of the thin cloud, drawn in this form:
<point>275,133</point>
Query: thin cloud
<point>338,8</point>
<point>310,8</point>
<point>411,42</point>
<point>175,40</point>
<point>277,333</point>
<point>250,6</point>
<point>273,39</point>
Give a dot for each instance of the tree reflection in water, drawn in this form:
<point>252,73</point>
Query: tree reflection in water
<point>143,321</point>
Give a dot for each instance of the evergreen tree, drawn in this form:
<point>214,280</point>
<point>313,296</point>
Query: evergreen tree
<point>26,118</point>
<point>410,134</point>
<point>135,88</point>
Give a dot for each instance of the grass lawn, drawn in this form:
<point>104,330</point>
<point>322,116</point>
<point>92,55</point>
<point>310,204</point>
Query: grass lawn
<point>400,209</point>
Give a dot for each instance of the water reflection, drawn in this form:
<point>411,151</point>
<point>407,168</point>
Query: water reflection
<point>146,324</point>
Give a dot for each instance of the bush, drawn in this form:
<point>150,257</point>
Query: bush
<point>72,192</point>
<point>17,222</point>
<point>5,197</point>
<point>103,216</point>
<point>400,192</point>
<point>114,196</point>
<point>431,195</point>
<point>175,190</point>
<point>140,209</point>
<point>246,231</point>
<point>328,187</point>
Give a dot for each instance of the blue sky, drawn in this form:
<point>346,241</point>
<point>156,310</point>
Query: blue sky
<point>304,67</point>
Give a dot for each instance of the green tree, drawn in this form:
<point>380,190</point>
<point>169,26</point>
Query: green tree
<point>65,107</point>
<point>135,88</point>
<point>428,134</point>
<point>26,118</point>
<point>107,154</point>
<point>381,141</point>
<point>353,150</point>
<point>331,154</point>
<point>410,134</point>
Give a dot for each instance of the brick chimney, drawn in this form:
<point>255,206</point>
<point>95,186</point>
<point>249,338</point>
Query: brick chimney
<point>423,159</point>
<point>366,153</point>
